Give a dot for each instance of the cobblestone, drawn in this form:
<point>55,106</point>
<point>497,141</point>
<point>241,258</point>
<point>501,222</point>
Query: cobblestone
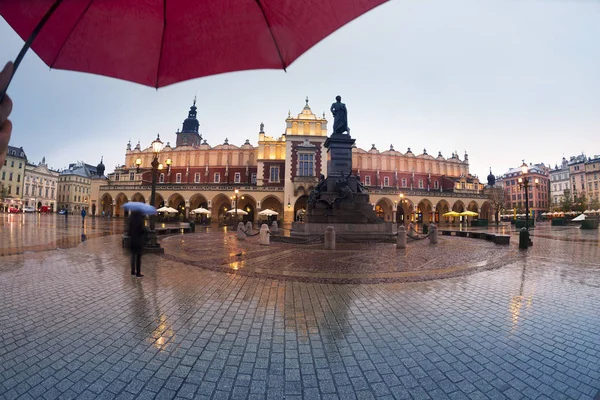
<point>75,324</point>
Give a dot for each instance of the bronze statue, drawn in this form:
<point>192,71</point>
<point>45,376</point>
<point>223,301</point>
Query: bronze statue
<point>340,116</point>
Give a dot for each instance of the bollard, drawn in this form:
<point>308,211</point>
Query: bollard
<point>249,228</point>
<point>401,239</point>
<point>274,228</point>
<point>264,235</point>
<point>241,235</point>
<point>411,228</point>
<point>329,238</point>
<point>433,234</point>
<point>524,238</point>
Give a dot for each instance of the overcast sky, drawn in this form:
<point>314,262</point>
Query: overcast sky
<point>501,79</point>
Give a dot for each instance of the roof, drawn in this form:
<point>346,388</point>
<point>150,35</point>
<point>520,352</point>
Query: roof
<point>78,171</point>
<point>17,152</point>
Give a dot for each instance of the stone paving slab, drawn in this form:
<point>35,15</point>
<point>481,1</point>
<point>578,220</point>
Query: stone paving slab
<point>75,324</point>
<point>348,263</point>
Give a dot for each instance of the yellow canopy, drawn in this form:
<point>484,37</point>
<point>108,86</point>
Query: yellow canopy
<point>451,214</point>
<point>469,214</point>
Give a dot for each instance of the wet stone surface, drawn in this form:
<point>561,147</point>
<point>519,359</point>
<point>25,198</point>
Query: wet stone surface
<point>75,324</point>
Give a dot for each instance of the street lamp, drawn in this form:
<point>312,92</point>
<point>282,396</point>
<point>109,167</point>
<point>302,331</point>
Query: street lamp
<point>523,181</point>
<point>237,191</point>
<point>156,148</point>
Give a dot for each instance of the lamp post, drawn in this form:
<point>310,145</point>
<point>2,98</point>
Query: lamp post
<point>237,191</point>
<point>524,240</point>
<point>152,244</point>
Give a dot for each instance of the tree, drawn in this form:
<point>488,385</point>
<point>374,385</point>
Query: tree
<point>580,203</point>
<point>496,197</point>
<point>595,203</point>
<point>566,203</point>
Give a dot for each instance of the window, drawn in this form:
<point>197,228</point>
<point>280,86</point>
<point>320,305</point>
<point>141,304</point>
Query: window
<point>306,164</point>
<point>274,174</point>
<point>10,176</point>
<point>117,176</point>
<point>237,178</point>
<point>20,166</point>
<point>161,178</point>
<point>421,184</point>
<point>178,177</point>
<point>367,181</point>
<point>462,184</point>
<point>47,192</point>
<point>18,190</point>
<point>19,178</point>
<point>403,182</point>
<point>26,190</point>
<point>131,176</point>
<point>436,185</point>
<point>52,193</point>
<point>12,164</point>
<point>9,189</point>
<point>3,175</point>
<point>197,177</point>
<point>254,178</point>
<point>40,192</point>
<point>386,181</point>
<point>217,177</point>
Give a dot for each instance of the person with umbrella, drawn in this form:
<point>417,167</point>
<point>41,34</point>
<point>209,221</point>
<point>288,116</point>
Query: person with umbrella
<point>137,241</point>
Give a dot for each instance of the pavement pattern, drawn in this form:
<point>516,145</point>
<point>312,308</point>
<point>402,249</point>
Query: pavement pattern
<point>75,324</point>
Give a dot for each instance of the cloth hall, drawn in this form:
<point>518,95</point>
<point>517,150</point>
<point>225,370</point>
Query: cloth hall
<point>280,171</point>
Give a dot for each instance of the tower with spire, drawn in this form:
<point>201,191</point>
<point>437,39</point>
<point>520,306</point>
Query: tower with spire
<point>189,135</point>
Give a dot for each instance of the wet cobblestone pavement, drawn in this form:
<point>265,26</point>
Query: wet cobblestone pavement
<point>75,324</point>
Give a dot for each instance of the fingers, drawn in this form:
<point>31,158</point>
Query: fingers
<point>5,109</point>
<point>5,131</point>
<point>5,75</point>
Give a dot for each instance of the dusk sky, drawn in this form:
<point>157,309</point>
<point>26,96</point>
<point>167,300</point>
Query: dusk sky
<point>502,79</point>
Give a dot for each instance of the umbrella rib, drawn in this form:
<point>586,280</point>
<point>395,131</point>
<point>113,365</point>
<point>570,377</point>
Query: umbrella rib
<point>272,34</point>
<point>70,33</point>
<point>162,41</point>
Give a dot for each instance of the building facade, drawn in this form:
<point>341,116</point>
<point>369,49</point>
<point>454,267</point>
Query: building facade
<point>74,188</point>
<point>41,186</point>
<point>12,177</point>
<point>560,184</point>
<point>280,172</point>
<point>577,174</point>
<point>592,172</point>
<point>539,194</point>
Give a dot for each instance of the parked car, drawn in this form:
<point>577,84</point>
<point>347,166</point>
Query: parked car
<point>28,209</point>
<point>45,209</point>
<point>62,212</point>
<point>13,210</point>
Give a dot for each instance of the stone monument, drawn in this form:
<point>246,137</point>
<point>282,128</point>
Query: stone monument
<point>340,200</point>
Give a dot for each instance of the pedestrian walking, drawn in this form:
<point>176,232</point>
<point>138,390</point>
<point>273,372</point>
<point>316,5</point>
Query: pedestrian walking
<point>83,213</point>
<point>137,241</point>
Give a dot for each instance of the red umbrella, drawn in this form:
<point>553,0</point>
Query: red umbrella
<point>160,42</point>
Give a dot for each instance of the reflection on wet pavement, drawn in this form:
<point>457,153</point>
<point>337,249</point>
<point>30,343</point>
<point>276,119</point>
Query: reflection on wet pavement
<point>20,233</point>
<point>75,323</point>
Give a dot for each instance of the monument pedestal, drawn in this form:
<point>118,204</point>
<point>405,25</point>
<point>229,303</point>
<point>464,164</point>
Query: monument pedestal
<point>340,201</point>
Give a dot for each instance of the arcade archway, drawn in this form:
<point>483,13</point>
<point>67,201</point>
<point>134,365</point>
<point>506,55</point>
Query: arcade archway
<point>442,208</point>
<point>248,204</point>
<point>384,209</point>
<point>220,204</point>
<point>138,197</point>
<point>300,208</point>
<point>425,211</point>
<point>120,200</point>
<point>177,202</point>
<point>106,204</point>
<point>273,203</point>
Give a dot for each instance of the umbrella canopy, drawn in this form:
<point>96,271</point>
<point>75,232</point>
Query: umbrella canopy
<point>468,214</point>
<point>158,43</point>
<point>451,214</point>
<point>268,213</point>
<point>579,218</point>
<point>239,211</point>
<point>144,208</point>
<point>167,210</point>
<point>200,210</point>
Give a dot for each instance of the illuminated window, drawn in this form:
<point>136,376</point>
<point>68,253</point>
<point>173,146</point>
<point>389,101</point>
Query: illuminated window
<point>386,181</point>
<point>178,177</point>
<point>217,177</point>
<point>237,177</point>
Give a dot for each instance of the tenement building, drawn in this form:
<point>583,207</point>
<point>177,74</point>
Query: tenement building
<point>12,177</point>
<point>280,171</point>
<point>41,186</point>
<point>538,193</point>
<point>77,186</point>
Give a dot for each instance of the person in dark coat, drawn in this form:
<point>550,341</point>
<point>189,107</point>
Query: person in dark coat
<point>137,241</point>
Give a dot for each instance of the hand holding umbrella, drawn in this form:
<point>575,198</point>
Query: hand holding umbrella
<point>5,109</point>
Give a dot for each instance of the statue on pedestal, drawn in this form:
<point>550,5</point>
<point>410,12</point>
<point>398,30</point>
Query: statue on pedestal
<point>340,116</point>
